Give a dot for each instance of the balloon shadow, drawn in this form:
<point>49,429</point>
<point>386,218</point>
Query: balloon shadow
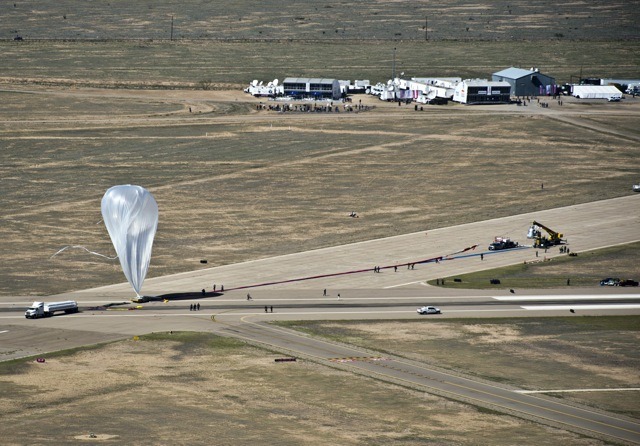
<point>189,295</point>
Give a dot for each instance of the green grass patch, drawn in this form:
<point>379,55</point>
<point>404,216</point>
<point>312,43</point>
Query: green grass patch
<point>584,270</point>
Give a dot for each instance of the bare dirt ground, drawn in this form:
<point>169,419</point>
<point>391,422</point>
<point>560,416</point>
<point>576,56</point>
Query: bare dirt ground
<point>200,389</point>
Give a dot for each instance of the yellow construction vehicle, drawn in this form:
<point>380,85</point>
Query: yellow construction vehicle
<point>541,241</point>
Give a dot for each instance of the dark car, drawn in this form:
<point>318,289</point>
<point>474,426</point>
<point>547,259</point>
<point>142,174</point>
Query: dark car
<point>628,282</point>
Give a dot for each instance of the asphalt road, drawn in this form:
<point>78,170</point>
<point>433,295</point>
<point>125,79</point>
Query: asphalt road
<point>247,320</point>
<point>363,294</point>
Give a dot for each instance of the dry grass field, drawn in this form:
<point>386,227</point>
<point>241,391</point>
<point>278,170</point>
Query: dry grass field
<point>234,184</point>
<point>189,388</point>
<point>129,44</point>
<point>324,20</point>
<point>533,354</point>
<point>232,65</point>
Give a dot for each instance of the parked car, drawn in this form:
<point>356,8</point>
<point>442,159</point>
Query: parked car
<point>628,282</point>
<point>609,281</point>
<point>428,310</point>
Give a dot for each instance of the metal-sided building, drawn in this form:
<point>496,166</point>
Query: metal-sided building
<point>305,87</point>
<point>527,82</point>
<point>481,91</point>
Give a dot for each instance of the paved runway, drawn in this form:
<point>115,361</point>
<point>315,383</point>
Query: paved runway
<point>586,226</point>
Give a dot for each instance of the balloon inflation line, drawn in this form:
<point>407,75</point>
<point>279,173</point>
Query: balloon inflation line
<point>451,256</point>
<point>82,247</point>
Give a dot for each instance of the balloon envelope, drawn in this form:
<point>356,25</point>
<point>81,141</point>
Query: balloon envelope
<point>130,214</point>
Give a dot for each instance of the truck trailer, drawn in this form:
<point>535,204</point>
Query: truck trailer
<point>42,309</point>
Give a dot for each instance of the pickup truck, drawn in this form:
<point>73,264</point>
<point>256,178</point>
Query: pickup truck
<point>502,243</point>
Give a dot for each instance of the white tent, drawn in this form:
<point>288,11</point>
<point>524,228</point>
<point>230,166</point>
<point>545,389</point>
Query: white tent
<point>596,92</point>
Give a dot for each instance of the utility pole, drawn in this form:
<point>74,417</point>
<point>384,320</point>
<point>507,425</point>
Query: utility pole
<point>426,28</point>
<point>171,28</point>
<point>393,67</point>
<point>580,80</point>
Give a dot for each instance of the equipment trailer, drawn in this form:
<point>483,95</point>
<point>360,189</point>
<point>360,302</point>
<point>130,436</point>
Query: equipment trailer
<point>42,309</point>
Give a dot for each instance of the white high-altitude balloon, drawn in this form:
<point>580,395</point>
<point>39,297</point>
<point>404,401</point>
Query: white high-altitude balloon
<point>130,214</point>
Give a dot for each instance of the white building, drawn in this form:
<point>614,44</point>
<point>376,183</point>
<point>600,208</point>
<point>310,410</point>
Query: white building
<point>481,91</point>
<point>305,87</point>
<point>595,92</point>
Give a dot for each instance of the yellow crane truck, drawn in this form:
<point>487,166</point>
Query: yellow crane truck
<point>552,238</point>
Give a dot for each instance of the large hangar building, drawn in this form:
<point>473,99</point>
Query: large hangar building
<point>309,87</point>
<point>527,82</point>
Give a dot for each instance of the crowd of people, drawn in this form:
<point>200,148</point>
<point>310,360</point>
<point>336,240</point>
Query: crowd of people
<point>313,108</point>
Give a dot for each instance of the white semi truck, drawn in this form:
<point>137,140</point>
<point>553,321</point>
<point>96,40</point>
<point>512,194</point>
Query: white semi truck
<point>42,309</point>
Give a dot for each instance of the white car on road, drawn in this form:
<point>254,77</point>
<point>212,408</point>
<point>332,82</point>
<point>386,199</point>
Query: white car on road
<point>428,310</point>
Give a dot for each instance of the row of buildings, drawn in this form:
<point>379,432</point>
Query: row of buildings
<point>503,86</point>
